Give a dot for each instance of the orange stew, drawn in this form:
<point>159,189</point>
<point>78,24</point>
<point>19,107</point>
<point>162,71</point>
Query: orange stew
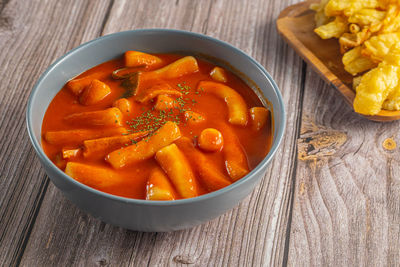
<point>156,127</point>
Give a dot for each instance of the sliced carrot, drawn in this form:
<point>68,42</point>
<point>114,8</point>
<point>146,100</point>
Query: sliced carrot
<point>237,107</point>
<point>137,59</point>
<point>76,137</point>
<point>218,74</point>
<point>259,116</point>
<point>106,117</point>
<point>124,105</point>
<point>178,169</point>
<point>94,93</point>
<point>71,153</point>
<point>145,149</point>
<point>209,174</point>
<point>148,94</point>
<point>93,176</point>
<point>235,157</point>
<point>159,187</point>
<point>100,147</point>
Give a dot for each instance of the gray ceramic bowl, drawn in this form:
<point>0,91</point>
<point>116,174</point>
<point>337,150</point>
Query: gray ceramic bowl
<point>136,214</point>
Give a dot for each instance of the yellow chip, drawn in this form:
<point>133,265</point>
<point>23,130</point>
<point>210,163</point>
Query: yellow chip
<point>354,62</point>
<point>367,16</point>
<point>377,47</point>
<point>350,40</point>
<point>369,39</point>
<point>349,7</point>
<point>393,100</point>
<point>320,17</point>
<point>374,88</point>
<point>332,29</point>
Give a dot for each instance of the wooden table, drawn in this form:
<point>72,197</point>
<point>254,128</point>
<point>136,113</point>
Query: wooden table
<point>330,197</point>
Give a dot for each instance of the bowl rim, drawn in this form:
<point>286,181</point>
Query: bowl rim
<point>251,175</point>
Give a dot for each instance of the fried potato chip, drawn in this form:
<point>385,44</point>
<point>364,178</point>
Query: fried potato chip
<point>356,82</point>
<point>320,17</point>
<point>350,40</point>
<point>354,28</point>
<point>349,7</point>
<point>377,47</point>
<point>390,23</point>
<point>393,100</point>
<point>369,39</point>
<point>378,84</point>
<point>367,16</point>
<point>354,62</point>
<point>332,29</point>
<point>374,88</point>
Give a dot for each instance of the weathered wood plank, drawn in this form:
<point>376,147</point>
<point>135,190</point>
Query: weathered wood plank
<point>32,35</point>
<point>347,196</point>
<point>254,232</point>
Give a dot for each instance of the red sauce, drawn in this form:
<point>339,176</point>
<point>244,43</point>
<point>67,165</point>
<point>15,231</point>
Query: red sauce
<point>255,144</point>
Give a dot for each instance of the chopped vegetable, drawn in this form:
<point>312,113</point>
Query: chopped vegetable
<point>124,105</point>
<point>94,93</point>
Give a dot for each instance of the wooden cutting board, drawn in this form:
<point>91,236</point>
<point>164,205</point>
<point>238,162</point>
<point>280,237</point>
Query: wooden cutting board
<point>296,25</point>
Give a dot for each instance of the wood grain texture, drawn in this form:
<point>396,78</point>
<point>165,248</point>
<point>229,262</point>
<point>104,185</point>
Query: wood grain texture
<point>254,233</point>
<point>346,209</point>
<point>30,41</point>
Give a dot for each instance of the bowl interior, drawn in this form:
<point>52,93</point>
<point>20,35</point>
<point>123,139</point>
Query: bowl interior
<point>111,46</point>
